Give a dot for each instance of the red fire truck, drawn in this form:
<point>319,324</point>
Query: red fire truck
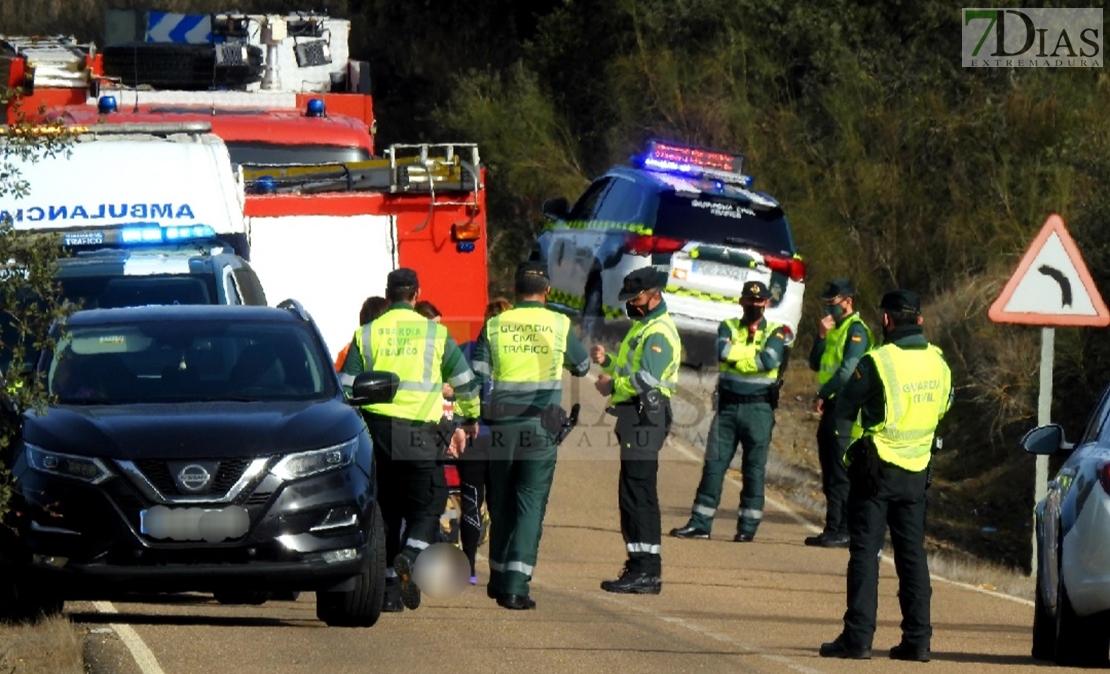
<point>328,217</point>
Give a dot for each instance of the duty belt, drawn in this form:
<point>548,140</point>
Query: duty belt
<point>730,398</point>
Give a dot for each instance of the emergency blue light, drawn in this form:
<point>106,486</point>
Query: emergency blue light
<point>315,107</point>
<point>263,185</point>
<point>465,246</point>
<point>106,105</point>
<point>695,162</point>
<point>173,234</point>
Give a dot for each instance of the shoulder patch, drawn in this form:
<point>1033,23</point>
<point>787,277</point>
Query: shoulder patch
<point>857,338</point>
<point>656,349</point>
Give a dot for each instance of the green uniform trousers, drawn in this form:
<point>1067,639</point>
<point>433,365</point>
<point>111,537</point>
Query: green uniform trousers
<point>749,424</point>
<point>521,468</point>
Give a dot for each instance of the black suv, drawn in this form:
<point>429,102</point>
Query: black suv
<point>197,448</point>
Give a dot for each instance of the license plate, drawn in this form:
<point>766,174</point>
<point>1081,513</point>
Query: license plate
<point>703,268</point>
<point>194,524</point>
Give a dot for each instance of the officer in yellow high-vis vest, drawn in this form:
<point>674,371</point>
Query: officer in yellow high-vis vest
<point>750,352</point>
<point>901,391</point>
<point>409,438</point>
<point>842,339</point>
<point>523,351</point>
<point>640,382</point>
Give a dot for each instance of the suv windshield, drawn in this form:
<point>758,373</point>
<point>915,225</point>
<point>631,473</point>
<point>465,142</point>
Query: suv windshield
<point>723,221</point>
<point>176,361</point>
<point>108,292</point>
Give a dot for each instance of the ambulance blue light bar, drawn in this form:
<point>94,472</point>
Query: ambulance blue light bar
<point>157,234</point>
<point>138,235</point>
<point>695,162</point>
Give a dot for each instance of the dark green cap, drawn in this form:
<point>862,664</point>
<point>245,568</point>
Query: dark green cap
<point>838,287</point>
<point>639,280</point>
<point>901,301</point>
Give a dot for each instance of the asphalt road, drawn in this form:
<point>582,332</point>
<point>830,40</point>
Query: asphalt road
<point>758,607</point>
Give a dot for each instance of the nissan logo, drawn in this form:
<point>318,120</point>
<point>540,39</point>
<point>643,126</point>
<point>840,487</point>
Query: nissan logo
<point>193,477</point>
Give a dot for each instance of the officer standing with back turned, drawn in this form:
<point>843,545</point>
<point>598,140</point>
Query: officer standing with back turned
<point>842,339</point>
<point>409,438</point>
<point>640,382</point>
<point>523,351</point>
<point>901,391</point>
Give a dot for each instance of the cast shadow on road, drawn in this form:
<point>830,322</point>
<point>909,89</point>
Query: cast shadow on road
<point>90,617</point>
<point>990,659</point>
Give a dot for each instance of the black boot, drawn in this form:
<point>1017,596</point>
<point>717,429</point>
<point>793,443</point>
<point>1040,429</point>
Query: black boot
<point>403,565</point>
<point>633,582</point>
<point>391,603</point>
<point>689,531</point>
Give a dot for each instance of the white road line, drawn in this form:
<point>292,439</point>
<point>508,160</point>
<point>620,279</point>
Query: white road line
<point>754,650</point>
<point>144,658</point>
<point>790,511</point>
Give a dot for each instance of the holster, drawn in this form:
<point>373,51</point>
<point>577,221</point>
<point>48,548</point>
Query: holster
<point>864,468</point>
<point>552,419</point>
<point>773,394</point>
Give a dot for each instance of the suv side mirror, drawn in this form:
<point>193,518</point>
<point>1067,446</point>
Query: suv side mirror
<point>1046,440</point>
<point>556,208</point>
<point>373,388</point>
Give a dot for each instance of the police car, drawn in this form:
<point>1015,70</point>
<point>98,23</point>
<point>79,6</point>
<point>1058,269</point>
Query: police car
<point>688,211</point>
<point>146,264</point>
<point>149,264</point>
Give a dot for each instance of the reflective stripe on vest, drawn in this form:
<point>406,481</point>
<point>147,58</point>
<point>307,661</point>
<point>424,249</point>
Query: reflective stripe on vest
<point>411,346</point>
<point>527,345</point>
<point>745,371</point>
<point>632,351</point>
<point>833,355</point>
<point>917,384</point>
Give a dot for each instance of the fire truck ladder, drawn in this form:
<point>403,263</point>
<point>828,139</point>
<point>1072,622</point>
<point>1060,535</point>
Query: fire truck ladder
<point>424,168</point>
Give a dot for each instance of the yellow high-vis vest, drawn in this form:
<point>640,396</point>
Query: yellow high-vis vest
<point>745,369</point>
<point>411,346</point>
<point>631,353</point>
<point>833,355</point>
<point>917,387</point>
<point>527,346</point>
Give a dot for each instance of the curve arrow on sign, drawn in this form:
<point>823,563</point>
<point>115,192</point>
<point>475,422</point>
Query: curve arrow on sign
<point>1059,277</point>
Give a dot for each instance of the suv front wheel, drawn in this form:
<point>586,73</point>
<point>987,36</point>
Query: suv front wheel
<point>362,605</point>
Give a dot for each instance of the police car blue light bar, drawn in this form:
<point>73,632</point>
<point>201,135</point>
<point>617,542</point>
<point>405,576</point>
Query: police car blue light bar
<point>138,234</point>
<point>695,162</point>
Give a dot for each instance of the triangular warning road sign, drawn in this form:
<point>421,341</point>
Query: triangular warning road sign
<point>1051,285</point>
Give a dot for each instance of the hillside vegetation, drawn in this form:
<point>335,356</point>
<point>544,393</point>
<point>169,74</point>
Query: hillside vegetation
<point>896,166</point>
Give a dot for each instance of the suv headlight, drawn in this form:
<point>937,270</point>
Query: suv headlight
<point>81,468</point>
<point>316,461</point>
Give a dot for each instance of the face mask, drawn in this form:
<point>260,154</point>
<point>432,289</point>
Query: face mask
<point>834,310</point>
<point>634,311</point>
<point>752,314</point>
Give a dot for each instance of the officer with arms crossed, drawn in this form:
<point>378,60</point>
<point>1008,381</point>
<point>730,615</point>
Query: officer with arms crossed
<point>407,431</point>
<point>523,351</point>
<point>640,382</point>
<point>842,339</point>
<point>750,351</point>
<point>903,389</point>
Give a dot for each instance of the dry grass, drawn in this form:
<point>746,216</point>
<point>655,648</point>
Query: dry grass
<point>53,646</point>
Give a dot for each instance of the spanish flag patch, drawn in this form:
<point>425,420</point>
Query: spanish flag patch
<point>657,349</point>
